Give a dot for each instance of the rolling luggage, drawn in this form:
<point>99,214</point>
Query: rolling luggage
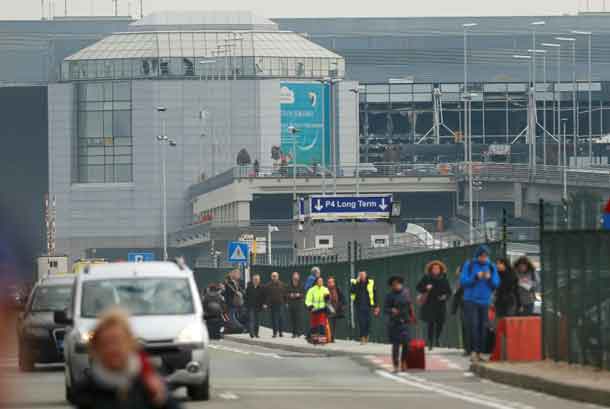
<point>416,359</point>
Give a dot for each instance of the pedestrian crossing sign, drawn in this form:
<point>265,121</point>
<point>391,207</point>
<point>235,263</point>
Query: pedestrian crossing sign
<point>239,252</point>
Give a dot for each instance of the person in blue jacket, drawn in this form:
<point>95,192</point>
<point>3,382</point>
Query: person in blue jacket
<point>479,278</point>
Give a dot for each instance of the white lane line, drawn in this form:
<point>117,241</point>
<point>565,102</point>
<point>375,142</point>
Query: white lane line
<point>228,396</point>
<point>454,393</point>
<point>244,352</point>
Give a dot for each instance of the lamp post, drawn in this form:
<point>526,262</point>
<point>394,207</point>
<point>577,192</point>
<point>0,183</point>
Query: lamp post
<point>164,141</point>
<point>356,92</point>
<point>574,115</point>
<point>467,98</point>
<point>543,52</point>
<point>565,161</point>
<point>330,82</point>
<point>589,35</point>
<point>531,122</point>
<point>293,131</point>
<point>557,94</point>
<point>202,114</point>
<point>270,229</point>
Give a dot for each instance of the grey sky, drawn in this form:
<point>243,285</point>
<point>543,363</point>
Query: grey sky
<point>30,9</point>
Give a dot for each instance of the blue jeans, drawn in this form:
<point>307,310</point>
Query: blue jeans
<point>363,315</point>
<point>277,320</point>
<point>234,318</point>
<point>476,319</point>
<point>253,321</point>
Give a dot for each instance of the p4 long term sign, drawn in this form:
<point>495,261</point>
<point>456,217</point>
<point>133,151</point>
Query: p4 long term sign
<point>331,208</point>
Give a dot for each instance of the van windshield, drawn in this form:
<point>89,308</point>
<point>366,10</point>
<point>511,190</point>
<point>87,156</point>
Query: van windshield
<point>51,298</point>
<point>139,296</point>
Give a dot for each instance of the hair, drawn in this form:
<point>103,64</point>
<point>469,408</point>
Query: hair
<point>315,270</point>
<point>320,278</point>
<point>433,263</point>
<point>112,317</point>
<point>394,279</point>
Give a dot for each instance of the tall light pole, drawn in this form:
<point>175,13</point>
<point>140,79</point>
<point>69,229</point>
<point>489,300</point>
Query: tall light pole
<point>202,114</point>
<point>565,161</point>
<point>589,35</point>
<point>293,131</point>
<point>572,40</point>
<point>467,98</point>
<point>356,92</point>
<point>164,141</point>
<point>270,229</point>
<point>557,93</point>
<point>330,82</point>
<point>533,52</point>
<point>531,120</point>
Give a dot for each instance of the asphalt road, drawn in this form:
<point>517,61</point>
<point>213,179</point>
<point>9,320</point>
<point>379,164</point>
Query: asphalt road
<point>258,378</point>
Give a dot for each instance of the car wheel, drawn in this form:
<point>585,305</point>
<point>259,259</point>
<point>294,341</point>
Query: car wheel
<point>200,392</point>
<point>26,364</point>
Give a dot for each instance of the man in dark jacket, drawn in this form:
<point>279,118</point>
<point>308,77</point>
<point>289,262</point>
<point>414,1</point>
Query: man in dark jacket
<point>295,296</point>
<point>255,299</point>
<point>275,294</point>
<point>364,296</point>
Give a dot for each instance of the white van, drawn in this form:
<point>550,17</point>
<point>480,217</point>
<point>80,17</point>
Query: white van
<point>166,316</point>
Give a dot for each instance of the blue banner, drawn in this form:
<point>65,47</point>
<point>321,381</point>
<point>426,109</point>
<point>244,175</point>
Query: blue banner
<point>305,107</point>
<point>351,207</point>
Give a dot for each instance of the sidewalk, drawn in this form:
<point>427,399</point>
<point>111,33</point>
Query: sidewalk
<point>338,348</point>
<point>572,382</point>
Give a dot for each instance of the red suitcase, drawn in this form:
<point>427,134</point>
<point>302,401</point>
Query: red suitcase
<point>416,359</point>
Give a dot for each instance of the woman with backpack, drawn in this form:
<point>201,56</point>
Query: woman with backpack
<point>433,292</point>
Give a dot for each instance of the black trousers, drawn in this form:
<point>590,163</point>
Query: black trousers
<point>396,353</point>
<point>295,315</point>
<point>435,328</point>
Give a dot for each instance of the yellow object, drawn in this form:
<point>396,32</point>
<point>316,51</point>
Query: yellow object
<point>316,297</point>
<point>370,287</point>
<point>80,265</point>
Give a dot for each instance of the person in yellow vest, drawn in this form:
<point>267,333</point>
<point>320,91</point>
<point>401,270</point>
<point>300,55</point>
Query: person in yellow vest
<point>364,296</point>
<point>316,302</point>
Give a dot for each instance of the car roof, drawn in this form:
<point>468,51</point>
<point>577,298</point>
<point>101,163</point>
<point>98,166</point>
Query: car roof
<point>128,270</point>
<point>56,280</point>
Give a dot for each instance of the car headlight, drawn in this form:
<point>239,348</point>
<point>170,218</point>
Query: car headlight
<point>85,337</point>
<point>191,334</point>
<point>37,332</point>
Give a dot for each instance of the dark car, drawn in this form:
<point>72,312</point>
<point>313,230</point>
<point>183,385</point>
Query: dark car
<point>40,338</point>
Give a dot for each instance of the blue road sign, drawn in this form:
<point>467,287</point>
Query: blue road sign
<point>351,207</point>
<point>140,256</point>
<point>238,252</point>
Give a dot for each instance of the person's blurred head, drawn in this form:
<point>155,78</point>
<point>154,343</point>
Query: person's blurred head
<point>435,268</point>
<point>256,279</point>
<point>315,271</point>
<point>331,282</point>
<point>501,265</point>
<point>275,276</point>
<point>482,254</point>
<point>296,277</point>
<point>320,282</point>
<point>362,276</point>
<point>235,274</point>
<point>113,342</point>
<point>523,265</point>
<point>396,283</point>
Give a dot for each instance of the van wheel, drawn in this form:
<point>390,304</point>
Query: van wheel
<point>26,364</point>
<point>200,392</point>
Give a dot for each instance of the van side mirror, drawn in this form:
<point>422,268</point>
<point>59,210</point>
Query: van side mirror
<point>61,318</point>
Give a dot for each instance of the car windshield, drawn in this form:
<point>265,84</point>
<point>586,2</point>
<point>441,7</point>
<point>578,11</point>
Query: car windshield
<point>52,298</point>
<point>139,296</point>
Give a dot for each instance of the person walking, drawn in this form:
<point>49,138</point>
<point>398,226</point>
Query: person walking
<point>434,291</point>
<point>316,302</point>
<point>296,296</point>
<point>313,277</point>
<point>364,295</point>
<point>255,299</point>
<point>527,285</point>
<point>507,294</point>
<point>397,308</point>
<point>337,306</point>
<point>121,376</point>
<point>234,298</point>
<point>213,310</point>
<point>275,292</point>
<point>479,278</point>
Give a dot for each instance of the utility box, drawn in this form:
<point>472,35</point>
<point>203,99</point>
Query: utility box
<point>51,266</point>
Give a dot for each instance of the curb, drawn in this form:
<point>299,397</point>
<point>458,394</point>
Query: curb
<point>304,349</point>
<point>555,388</point>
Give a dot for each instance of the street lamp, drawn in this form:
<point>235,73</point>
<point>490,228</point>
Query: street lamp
<point>293,131</point>
<point>164,141</point>
<point>270,229</point>
<point>574,116</point>
<point>467,98</point>
<point>557,94</point>
<point>535,25</point>
<point>543,52</point>
<point>330,82</point>
<point>356,92</point>
<point>565,161</point>
<point>589,35</point>
<point>531,113</point>
<point>202,114</point>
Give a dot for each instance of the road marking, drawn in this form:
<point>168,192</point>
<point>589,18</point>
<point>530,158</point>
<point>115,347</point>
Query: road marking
<point>244,352</point>
<point>450,392</point>
<point>228,396</point>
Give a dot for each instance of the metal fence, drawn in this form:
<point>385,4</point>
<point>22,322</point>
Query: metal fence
<point>576,296</point>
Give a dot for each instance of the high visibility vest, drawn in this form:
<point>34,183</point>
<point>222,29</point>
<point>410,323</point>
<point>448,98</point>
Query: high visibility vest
<point>316,297</point>
<point>370,288</point>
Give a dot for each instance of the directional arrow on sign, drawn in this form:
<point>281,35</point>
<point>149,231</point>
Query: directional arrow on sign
<point>318,205</point>
<point>383,206</point>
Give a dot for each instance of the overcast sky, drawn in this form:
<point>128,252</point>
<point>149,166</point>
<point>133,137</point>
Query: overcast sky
<point>30,9</point>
